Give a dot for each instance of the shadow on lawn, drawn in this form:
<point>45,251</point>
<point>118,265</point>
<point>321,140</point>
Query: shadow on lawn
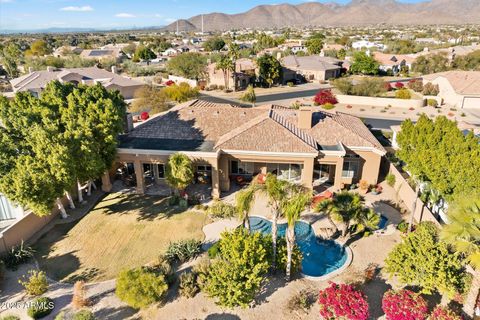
<point>147,207</point>
<point>115,313</point>
<point>374,290</point>
<point>222,316</point>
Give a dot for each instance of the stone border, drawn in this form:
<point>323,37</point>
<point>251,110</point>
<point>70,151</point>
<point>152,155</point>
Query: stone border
<point>332,274</point>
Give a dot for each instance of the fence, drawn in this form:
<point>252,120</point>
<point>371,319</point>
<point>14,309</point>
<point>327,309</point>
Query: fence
<point>380,102</point>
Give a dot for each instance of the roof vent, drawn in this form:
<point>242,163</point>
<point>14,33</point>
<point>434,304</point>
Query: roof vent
<point>216,113</point>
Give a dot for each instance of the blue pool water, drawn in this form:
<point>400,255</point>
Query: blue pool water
<point>383,222</point>
<point>320,257</point>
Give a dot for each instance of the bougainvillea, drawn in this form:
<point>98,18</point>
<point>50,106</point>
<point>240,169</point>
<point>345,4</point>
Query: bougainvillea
<point>442,313</point>
<point>144,116</point>
<point>325,96</point>
<point>399,85</point>
<point>387,86</point>
<point>342,301</point>
<point>404,305</point>
<point>169,83</point>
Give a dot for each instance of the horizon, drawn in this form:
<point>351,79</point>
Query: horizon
<point>31,15</point>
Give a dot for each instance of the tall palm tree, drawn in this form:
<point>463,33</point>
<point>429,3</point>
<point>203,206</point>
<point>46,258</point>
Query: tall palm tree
<point>179,171</point>
<point>276,191</point>
<point>234,54</point>
<point>463,233</point>
<point>225,64</point>
<point>244,201</point>
<point>292,210</point>
<point>326,207</point>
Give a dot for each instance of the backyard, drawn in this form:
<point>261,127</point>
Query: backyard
<point>122,231</point>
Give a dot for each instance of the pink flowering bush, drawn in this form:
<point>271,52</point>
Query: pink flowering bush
<point>399,85</point>
<point>404,305</point>
<point>342,301</point>
<point>442,313</point>
<point>324,97</point>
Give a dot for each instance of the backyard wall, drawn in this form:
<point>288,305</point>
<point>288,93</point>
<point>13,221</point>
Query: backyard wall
<point>379,102</point>
<point>407,195</point>
<point>178,80</point>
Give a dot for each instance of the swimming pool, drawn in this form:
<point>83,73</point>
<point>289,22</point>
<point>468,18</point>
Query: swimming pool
<point>383,222</point>
<point>320,257</point>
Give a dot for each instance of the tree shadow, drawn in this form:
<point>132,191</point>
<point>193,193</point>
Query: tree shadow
<point>275,283</point>
<point>115,313</point>
<point>374,290</point>
<point>60,267</point>
<point>86,275</point>
<point>222,316</point>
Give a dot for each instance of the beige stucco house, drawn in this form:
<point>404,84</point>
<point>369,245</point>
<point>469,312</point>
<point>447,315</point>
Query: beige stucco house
<point>245,70</point>
<point>227,142</point>
<point>310,68</point>
<point>460,89</point>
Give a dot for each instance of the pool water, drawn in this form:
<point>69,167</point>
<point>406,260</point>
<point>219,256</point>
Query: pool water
<point>383,222</point>
<point>320,257</point>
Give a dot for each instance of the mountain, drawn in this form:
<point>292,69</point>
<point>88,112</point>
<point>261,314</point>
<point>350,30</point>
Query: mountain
<point>356,12</point>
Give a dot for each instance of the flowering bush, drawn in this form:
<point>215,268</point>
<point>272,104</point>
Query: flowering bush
<point>399,85</point>
<point>144,116</point>
<point>388,86</point>
<point>342,301</point>
<point>169,83</point>
<point>325,96</point>
<point>442,313</point>
<point>404,305</point>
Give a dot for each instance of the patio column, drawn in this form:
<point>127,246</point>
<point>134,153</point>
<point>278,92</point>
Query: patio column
<point>338,173</point>
<point>223,173</point>
<point>307,172</point>
<point>215,178</point>
<point>106,182</point>
<point>139,176</point>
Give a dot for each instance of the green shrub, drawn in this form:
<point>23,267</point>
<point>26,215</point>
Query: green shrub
<point>282,256</point>
<point>16,256</point>
<point>84,315</point>
<point>202,270</point>
<point>328,106</point>
<point>290,84</point>
<point>10,317</point>
<point>432,103</point>
<point>403,226</point>
<point>140,287</point>
<point>214,250</point>
<point>165,267</point>
<point>403,94</point>
<point>188,285</point>
<point>430,89</point>
<point>40,307</point>
<point>183,250</point>
<point>36,284</point>
<point>390,178</point>
<point>220,209</point>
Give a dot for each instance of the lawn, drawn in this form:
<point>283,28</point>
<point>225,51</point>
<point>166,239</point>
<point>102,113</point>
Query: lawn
<point>122,231</point>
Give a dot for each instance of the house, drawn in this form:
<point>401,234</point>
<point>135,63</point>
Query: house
<point>35,81</point>
<point>394,62</point>
<point>228,143</point>
<point>246,69</point>
<point>66,50</point>
<point>310,68</point>
<point>358,45</point>
<point>101,54</point>
<point>170,52</point>
<point>294,46</point>
<point>460,89</point>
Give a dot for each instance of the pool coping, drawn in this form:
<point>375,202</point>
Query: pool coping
<point>332,274</point>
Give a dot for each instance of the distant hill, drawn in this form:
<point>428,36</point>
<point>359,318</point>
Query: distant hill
<point>357,12</point>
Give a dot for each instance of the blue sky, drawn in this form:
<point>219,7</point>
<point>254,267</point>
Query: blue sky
<point>110,14</point>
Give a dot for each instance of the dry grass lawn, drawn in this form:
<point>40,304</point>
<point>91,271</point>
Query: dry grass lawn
<point>122,231</point>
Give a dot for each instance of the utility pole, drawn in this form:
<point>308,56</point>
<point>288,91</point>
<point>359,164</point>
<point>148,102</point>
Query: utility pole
<point>202,23</point>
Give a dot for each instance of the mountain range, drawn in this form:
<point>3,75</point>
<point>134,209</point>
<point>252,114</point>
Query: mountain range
<point>356,12</point>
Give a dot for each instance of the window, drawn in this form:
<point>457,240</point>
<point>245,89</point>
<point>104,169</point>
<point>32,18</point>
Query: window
<point>6,209</point>
<point>286,171</point>
<point>204,168</point>
<point>161,171</point>
<point>350,169</point>
<point>238,167</point>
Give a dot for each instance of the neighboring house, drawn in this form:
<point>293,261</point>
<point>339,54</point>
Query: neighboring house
<point>310,68</point>
<point>36,81</point>
<point>368,44</point>
<point>460,89</point>
<point>170,52</point>
<point>294,46</point>
<point>66,50</point>
<point>101,54</point>
<point>227,143</point>
<point>246,69</point>
<point>394,62</point>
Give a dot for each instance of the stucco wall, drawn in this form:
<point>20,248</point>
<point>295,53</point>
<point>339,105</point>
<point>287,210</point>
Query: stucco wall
<point>380,102</point>
<point>447,93</point>
<point>371,166</point>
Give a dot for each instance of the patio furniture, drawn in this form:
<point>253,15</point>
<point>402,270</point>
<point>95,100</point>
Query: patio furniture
<point>326,195</point>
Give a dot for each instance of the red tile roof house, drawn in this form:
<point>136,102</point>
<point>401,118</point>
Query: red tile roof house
<point>225,142</point>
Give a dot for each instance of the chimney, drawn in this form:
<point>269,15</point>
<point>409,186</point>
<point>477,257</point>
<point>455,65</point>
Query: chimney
<point>305,117</point>
<point>50,69</point>
<point>114,69</point>
<point>128,123</point>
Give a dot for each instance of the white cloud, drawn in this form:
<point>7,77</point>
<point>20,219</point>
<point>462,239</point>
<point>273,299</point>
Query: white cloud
<point>78,9</point>
<point>125,15</point>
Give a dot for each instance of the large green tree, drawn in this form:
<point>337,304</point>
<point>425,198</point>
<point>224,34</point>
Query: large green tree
<point>225,64</point>
<point>10,55</point>
<point>179,171</point>
<point>214,44</point>
<point>423,260</point>
<point>188,65</point>
<point>315,43</point>
<point>431,63</point>
<point>144,53</point>
<point>269,70</point>
<point>364,64</point>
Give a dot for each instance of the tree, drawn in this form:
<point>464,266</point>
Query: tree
<point>38,48</point>
<point>244,201</point>
<point>150,98</point>
<point>234,55</point>
<point>423,260</point>
<point>179,171</point>
<point>9,57</point>
<point>432,63</point>
<point>292,209</point>
<point>188,65</point>
<point>181,92</point>
<point>314,43</point>
<point>342,301</point>
<point>144,53</point>
<point>325,96</point>
<point>326,207</point>
<point>364,64</point>
<point>226,65</point>
<point>276,191</point>
<point>404,305</point>
<point>269,70</point>
<point>214,44</point>
<point>462,232</point>
<point>443,313</point>
<point>249,95</point>
<point>238,274</point>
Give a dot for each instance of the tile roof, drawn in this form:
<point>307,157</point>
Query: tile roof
<point>268,128</point>
<point>314,62</point>
<point>463,82</point>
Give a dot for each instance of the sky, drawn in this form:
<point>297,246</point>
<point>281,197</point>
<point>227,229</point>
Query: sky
<point>113,14</point>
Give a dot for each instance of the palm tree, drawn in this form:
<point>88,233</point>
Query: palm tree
<point>276,191</point>
<point>463,233</point>
<point>179,171</point>
<point>225,64</point>
<point>244,201</point>
<point>326,207</point>
<point>292,210</point>
<point>234,54</point>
